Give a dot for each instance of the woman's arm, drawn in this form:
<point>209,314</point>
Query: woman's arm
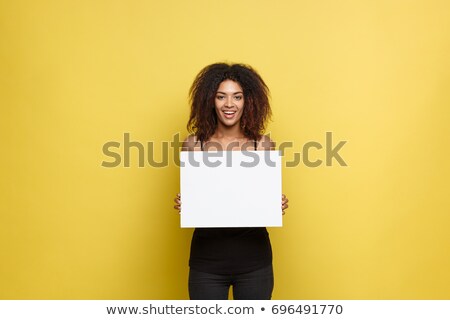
<point>265,143</point>
<point>190,143</point>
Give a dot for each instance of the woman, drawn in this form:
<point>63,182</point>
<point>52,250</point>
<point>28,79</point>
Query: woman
<point>229,111</point>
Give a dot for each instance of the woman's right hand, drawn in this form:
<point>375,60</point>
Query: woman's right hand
<point>178,203</point>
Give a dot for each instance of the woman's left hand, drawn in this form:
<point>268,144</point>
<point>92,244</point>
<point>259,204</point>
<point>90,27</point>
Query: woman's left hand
<point>284,204</point>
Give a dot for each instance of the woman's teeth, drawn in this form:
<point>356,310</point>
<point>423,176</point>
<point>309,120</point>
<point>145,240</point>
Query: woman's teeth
<point>229,114</point>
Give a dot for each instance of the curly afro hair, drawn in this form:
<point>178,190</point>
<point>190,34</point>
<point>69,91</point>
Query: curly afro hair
<point>257,112</point>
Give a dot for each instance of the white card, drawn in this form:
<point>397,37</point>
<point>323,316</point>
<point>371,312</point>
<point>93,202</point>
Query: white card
<point>230,189</point>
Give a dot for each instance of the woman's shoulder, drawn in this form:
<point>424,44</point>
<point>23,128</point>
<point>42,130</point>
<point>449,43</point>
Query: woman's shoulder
<point>190,143</point>
<point>266,143</point>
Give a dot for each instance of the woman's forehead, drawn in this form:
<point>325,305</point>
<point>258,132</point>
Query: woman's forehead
<point>229,86</point>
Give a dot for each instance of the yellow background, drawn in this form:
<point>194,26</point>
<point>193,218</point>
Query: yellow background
<point>77,74</point>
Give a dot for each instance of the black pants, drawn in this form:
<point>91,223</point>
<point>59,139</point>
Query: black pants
<point>255,285</point>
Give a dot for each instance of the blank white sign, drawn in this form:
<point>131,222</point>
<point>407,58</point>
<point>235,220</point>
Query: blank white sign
<point>230,189</point>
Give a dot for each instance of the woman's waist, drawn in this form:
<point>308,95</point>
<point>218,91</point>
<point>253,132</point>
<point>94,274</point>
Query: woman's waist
<point>229,232</point>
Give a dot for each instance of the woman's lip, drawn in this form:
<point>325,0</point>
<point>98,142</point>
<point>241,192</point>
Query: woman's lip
<point>229,115</point>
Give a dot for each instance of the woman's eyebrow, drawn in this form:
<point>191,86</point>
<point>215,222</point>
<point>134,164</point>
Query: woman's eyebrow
<point>237,92</point>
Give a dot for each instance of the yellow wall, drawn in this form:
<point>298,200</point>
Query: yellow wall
<point>77,74</point>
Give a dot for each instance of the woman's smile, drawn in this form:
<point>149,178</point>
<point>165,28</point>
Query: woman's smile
<point>229,114</point>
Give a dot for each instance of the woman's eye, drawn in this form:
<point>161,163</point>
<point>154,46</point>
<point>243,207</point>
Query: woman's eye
<point>238,97</point>
<point>220,97</point>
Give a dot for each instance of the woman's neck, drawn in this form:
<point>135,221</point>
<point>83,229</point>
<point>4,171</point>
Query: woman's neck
<point>234,132</point>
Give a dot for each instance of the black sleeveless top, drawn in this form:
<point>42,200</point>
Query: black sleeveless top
<point>230,250</point>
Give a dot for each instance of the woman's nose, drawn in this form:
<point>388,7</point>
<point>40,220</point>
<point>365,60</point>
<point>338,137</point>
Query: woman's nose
<point>229,102</point>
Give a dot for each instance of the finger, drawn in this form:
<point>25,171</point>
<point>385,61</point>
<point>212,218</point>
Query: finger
<point>283,213</point>
<point>283,196</point>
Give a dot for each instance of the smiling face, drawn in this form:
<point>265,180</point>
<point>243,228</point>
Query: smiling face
<point>229,103</point>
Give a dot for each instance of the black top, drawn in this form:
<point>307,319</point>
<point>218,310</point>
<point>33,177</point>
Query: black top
<point>230,250</point>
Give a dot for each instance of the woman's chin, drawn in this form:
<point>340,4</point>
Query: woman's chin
<point>229,123</point>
